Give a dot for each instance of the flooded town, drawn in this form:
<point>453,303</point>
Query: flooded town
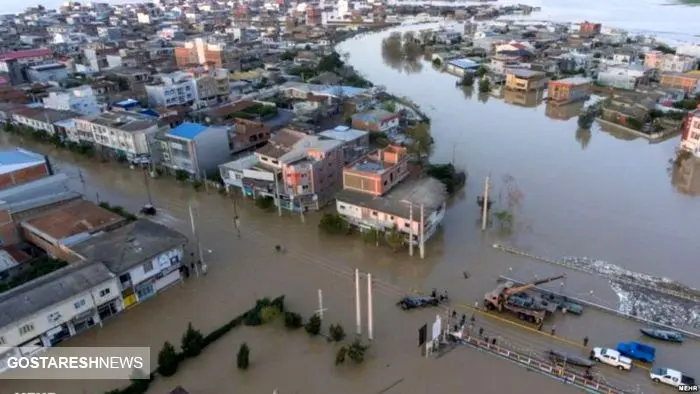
<point>352,197</point>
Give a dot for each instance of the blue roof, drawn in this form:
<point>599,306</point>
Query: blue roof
<point>19,156</point>
<point>464,63</point>
<point>348,91</point>
<point>150,112</point>
<point>187,130</point>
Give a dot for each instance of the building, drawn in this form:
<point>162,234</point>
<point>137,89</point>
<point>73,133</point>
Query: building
<point>247,134</point>
<point>213,86</point>
<point>46,120</point>
<point>523,98</point>
<point>688,82</point>
<point>56,230</point>
<point>377,121</point>
<point>43,73</point>
<point>232,173</point>
<point>460,67</point>
<point>692,50</point>
<point>19,166</point>
<point>628,78</point>
<point>525,80</point>
<point>145,257</point>
<point>201,53</point>
<point>415,208</point>
<point>194,148</point>
<point>166,90</point>
<point>378,172</point>
<point>669,62</point>
<point>54,307</point>
<point>355,142</point>
<point>122,133</point>
<point>15,63</point>
<point>690,133</point>
<point>81,100</point>
<point>564,111</point>
<point>569,90</point>
<point>589,29</point>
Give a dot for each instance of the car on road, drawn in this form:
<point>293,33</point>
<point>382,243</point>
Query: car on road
<point>671,377</point>
<point>612,358</point>
<point>415,302</point>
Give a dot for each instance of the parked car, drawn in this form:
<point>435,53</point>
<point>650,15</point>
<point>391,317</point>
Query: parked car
<point>670,377</point>
<point>637,351</point>
<point>414,302</point>
<point>612,358</point>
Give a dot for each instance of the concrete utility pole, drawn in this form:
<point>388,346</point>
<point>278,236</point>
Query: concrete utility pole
<point>82,182</point>
<point>358,303</point>
<point>196,238</point>
<point>277,196</point>
<point>370,329</point>
<point>422,231</point>
<point>485,209</point>
<point>321,309</point>
<point>410,230</point>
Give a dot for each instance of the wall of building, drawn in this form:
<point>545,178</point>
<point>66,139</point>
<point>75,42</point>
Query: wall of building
<point>212,149</point>
<point>23,176</point>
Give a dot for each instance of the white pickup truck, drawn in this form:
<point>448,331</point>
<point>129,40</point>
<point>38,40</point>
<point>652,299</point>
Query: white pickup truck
<point>612,358</point>
<point>671,377</point>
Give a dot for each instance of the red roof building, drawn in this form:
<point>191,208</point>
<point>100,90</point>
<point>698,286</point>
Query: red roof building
<point>26,54</point>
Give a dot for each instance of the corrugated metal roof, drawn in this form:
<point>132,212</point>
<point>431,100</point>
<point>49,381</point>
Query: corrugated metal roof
<point>188,130</point>
<point>18,159</point>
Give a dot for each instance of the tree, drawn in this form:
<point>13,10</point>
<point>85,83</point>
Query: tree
<point>505,219</point>
<point>243,357</point>
<point>140,380</point>
<point>340,356</point>
<point>288,55</point>
<point>182,175</point>
<point>334,224</point>
<point>481,71</point>
<point>292,320</point>
<point>394,238</point>
<point>372,236</point>
<point>389,106</point>
<point>356,351</point>
<point>269,313</point>
<point>168,360</point>
<point>336,332</point>
<point>192,342</point>
<point>313,326</point>
<point>467,79</point>
<point>422,141</point>
<point>265,203</point>
<point>484,85</point>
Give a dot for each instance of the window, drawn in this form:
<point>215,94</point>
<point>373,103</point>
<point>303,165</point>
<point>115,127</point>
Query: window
<point>695,136</point>
<point>79,304</point>
<point>374,213</point>
<point>25,329</point>
<point>104,292</point>
<point>148,267</point>
<point>53,317</point>
<point>341,206</point>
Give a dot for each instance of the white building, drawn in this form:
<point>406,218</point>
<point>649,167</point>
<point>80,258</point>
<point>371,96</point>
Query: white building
<point>81,100</point>
<point>45,311</point>
<point>692,50</point>
<point>178,88</point>
<point>125,133</point>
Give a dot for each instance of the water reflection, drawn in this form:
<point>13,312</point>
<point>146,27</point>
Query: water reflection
<point>524,99</point>
<point>686,176</point>
<point>583,137</point>
<point>468,91</point>
<point>484,97</point>
<point>402,53</point>
<point>617,132</point>
<point>563,112</point>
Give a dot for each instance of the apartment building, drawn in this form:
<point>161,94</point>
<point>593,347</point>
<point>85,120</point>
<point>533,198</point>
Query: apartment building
<point>15,63</point>
<point>355,142</point>
<point>199,52</point>
<point>669,62</point>
<point>167,90</point>
<point>688,82</point>
<point>628,78</point>
<point>569,90</point>
<point>522,79</point>
<point>213,86</point>
<point>247,134</point>
<point>194,148</point>
<point>589,29</point>
<point>81,100</point>
<point>377,172</point>
<point>377,121</point>
<point>46,120</point>
<point>122,133</point>
<point>690,132</point>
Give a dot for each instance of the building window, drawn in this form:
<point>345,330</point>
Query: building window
<point>148,267</point>
<point>25,329</point>
<point>104,292</point>
<point>79,304</point>
<point>341,206</point>
<point>374,213</point>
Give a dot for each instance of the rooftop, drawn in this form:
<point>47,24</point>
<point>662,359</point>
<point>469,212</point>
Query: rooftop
<point>343,133</point>
<point>49,290</point>
<point>187,131</point>
<point>427,191</point>
<point>48,114</point>
<point>374,116</point>
<point>17,159</point>
<point>125,121</point>
<point>72,219</point>
<point>464,63</point>
<point>48,190</point>
<point>525,73</point>
<point>574,81</point>
<point>130,245</point>
<point>16,55</point>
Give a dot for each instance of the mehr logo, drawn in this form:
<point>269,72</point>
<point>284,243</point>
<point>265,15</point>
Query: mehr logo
<point>686,388</point>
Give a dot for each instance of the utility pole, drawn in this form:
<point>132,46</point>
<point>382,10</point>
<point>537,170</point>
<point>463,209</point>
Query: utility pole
<point>196,239</point>
<point>485,209</point>
<point>148,187</point>
<point>236,220</point>
<point>454,153</point>
<point>206,184</point>
<point>358,303</point>
<point>82,182</point>
<point>321,309</point>
<point>277,196</point>
<point>370,329</point>
<point>421,247</point>
<point>410,229</point>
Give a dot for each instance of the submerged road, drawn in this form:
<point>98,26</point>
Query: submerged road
<point>394,276</point>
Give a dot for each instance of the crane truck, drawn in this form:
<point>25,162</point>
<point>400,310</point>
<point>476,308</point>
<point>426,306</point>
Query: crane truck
<point>499,300</point>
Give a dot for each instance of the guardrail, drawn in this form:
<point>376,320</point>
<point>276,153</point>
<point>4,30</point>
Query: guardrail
<point>549,369</point>
<point>609,310</point>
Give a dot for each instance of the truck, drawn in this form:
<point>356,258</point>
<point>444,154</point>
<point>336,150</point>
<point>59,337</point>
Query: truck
<point>671,377</point>
<point>612,358</point>
<point>499,300</point>
<point>637,351</point>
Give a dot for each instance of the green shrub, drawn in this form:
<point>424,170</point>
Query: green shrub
<point>334,224</point>
<point>356,351</point>
<point>292,320</point>
<point>168,360</point>
<point>243,357</point>
<point>269,313</point>
<point>279,303</point>
<point>192,342</point>
<point>340,356</point>
<point>336,332</point>
<point>313,326</point>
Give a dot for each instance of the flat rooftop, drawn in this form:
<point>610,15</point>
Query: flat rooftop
<point>74,218</point>
<point>125,121</point>
<point>525,73</point>
<point>17,159</point>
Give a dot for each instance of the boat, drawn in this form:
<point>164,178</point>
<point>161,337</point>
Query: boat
<point>663,335</point>
<point>569,359</point>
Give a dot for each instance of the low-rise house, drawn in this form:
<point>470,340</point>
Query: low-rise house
<point>126,134</point>
<point>194,148</point>
<point>232,172</point>
<point>460,67</point>
<point>376,121</point>
<point>81,100</point>
<point>568,90</point>
<point>378,172</point>
<point>144,255</point>
<point>523,98</point>
<point>627,78</point>
<point>669,62</point>
<point>178,88</point>
<point>54,307</point>
<point>247,134</point>
<point>525,80</point>
<point>631,111</point>
<point>690,132</point>
<point>43,119</point>
<point>688,82</point>
<point>355,142</point>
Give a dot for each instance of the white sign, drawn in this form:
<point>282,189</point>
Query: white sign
<point>261,175</point>
<point>437,327</point>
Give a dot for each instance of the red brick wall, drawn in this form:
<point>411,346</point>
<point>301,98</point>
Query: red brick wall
<point>8,230</point>
<point>23,176</point>
<point>358,124</point>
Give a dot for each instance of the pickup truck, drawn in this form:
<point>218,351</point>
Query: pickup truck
<point>671,377</point>
<point>612,358</point>
<point>637,351</point>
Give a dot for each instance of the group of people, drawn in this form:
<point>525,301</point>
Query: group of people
<point>439,296</point>
<point>188,269</point>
